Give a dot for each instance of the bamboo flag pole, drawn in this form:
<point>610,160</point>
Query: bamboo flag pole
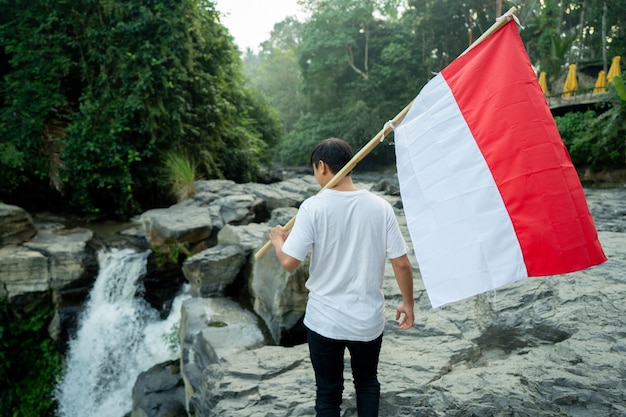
<point>369,147</point>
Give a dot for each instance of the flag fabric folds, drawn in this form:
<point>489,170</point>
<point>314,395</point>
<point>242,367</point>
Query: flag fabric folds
<point>489,191</point>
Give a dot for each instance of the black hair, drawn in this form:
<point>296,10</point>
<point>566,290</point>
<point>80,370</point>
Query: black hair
<point>335,152</point>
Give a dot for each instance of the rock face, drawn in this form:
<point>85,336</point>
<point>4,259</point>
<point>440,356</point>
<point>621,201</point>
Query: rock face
<point>210,271</point>
<point>16,225</point>
<point>212,329</point>
<point>551,346</point>
<point>53,269</point>
<point>160,384</point>
<point>279,297</point>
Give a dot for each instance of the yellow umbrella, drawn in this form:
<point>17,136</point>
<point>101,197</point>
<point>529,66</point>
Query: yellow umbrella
<point>600,83</point>
<point>571,83</point>
<point>614,70</point>
<point>543,83</point>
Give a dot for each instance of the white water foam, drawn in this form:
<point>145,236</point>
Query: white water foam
<point>119,336</point>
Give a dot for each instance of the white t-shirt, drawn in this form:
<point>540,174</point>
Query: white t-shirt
<point>351,234</point>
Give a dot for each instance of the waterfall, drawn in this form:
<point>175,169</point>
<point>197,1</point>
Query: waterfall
<point>119,336</point>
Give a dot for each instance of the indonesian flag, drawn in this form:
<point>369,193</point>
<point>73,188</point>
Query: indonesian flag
<point>489,191</point>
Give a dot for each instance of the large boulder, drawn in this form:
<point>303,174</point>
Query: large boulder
<point>248,237</point>
<point>212,270</point>
<point>274,197</point>
<point>69,255</point>
<point>239,209</point>
<point>270,381</point>
<point>160,392</point>
<point>183,224</point>
<point>22,271</point>
<point>210,331</point>
<point>16,225</point>
<point>278,297</point>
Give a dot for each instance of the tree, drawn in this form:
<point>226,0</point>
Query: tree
<point>274,72</point>
<point>117,84</point>
<point>349,89</point>
<point>560,33</point>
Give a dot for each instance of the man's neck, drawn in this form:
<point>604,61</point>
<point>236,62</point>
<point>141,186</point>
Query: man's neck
<point>345,184</point>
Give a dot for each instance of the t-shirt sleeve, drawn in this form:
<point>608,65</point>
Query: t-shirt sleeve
<point>396,245</point>
<point>302,235</point>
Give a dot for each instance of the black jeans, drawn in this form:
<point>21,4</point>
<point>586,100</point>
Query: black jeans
<point>327,360</point>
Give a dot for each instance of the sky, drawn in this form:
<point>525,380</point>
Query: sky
<point>250,22</point>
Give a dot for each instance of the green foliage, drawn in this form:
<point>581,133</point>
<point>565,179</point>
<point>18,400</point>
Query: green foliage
<point>29,364</point>
<point>115,86</point>
<point>595,141</point>
<point>575,130</point>
<point>172,339</point>
<point>181,171</point>
<point>359,69</point>
<point>275,72</point>
<point>170,252</point>
<point>620,88</point>
<point>574,125</point>
<point>31,93</point>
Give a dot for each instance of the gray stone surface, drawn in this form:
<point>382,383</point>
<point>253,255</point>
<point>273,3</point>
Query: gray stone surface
<point>211,330</point>
<point>182,223</point>
<point>22,271</point>
<point>209,272</point>
<point>67,252</point>
<point>16,225</point>
<point>553,346</point>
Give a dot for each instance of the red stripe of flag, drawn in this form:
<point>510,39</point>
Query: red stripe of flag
<point>500,98</point>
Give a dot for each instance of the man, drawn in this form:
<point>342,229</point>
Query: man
<point>351,232</point>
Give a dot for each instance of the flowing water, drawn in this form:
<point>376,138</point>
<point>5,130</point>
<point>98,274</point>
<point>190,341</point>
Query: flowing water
<point>119,336</point>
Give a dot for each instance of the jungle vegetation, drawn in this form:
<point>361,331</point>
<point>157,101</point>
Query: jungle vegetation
<point>97,96</point>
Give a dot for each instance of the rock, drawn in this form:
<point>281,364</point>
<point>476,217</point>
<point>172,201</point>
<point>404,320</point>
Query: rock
<point>183,224</point>
<point>71,269</point>
<point>271,381</point>
<point>550,346</point>
<point>278,297</point>
<point>22,271</point>
<point>16,225</point>
<point>160,392</point>
<point>274,197</point>
<point>217,187</point>
<point>305,185</point>
<point>281,216</point>
<point>239,209</point>
<point>248,237</point>
<point>389,186</point>
<point>68,254</point>
<point>212,270</point>
<point>210,331</point>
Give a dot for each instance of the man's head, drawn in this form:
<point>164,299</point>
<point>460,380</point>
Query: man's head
<point>334,152</point>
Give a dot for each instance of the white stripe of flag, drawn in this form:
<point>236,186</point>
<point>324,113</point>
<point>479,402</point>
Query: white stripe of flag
<point>488,188</point>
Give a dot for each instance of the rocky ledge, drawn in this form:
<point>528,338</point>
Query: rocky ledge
<point>552,346</point>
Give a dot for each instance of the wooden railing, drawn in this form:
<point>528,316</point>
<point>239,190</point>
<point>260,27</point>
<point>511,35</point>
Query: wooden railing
<point>580,96</point>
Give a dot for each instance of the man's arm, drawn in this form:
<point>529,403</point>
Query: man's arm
<point>278,236</point>
<point>404,276</point>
